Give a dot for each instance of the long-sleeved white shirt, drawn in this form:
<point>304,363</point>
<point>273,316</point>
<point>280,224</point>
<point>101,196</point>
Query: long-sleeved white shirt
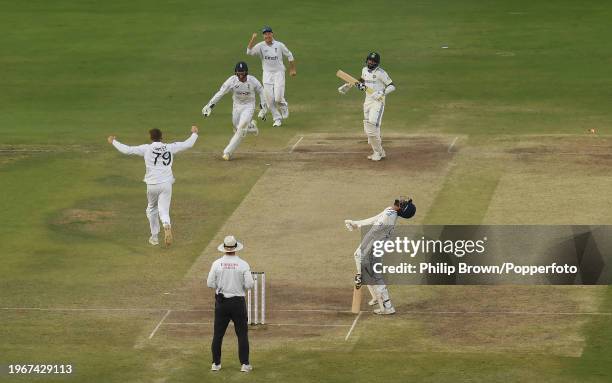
<point>387,217</point>
<point>243,92</point>
<point>158,157</point>
<point>230,275</point>
<point>377,79</point>
<point>271,55</point>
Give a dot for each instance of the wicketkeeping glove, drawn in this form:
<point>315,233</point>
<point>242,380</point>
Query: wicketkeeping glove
<point>207,110</point>
<point>262,113</point>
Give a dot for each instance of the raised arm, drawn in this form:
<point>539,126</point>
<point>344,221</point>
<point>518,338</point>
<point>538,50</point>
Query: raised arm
<point>125,149</point>
<point>251,44</point>
<point>176,147</point>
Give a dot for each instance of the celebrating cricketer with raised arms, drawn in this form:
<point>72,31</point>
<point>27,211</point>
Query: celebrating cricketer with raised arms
<point>243,86</point>
<point>377,85</point>
<point>158,158</point>
<point>271,53</point>
<point>381,229</point>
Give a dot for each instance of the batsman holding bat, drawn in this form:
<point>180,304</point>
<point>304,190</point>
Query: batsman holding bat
<point>377,85</point>
<point>382,226</point>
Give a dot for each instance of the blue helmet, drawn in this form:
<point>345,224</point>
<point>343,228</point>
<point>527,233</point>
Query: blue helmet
<point>406,208</point>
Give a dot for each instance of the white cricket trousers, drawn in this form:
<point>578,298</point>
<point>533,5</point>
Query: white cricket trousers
<point>274,92</point>
<point>241,118</point>
<point>159,197</point>
<point>378,292</point>
<point>372,119</point>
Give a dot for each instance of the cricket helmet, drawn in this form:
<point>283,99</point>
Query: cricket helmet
<point>406,207</point>
<point>375,57</point>
<point>241,67</point>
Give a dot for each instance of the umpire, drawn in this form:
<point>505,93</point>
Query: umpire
<point>230,276</point>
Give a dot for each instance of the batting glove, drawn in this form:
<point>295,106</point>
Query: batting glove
<point>344,88</point>
<point>361,86</point>
<point>207,110</point>
<point>349,224</point>
<point>378,95</point>
<point>358,281</point>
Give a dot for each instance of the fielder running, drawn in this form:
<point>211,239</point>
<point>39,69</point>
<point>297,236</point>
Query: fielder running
<point>375,78</point>
<point>243,87</point>
<point>271,53</point>
<point>382,228</point>
<point>158,158</point>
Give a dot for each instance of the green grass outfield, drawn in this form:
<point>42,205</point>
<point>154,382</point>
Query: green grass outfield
<point>73,229</point>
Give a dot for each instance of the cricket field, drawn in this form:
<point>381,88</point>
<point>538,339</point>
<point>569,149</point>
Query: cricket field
<point>490,123</point>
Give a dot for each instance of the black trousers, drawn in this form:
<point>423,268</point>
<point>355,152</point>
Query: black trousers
<point>233,309</point>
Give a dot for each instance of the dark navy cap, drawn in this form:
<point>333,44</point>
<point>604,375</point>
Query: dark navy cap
<point>266,29</point>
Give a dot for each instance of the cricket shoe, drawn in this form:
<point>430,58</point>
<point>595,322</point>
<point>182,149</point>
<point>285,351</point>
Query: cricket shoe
<point>253,128</point>
<point>277,123</point>
<point>385,311</point>
<point>167,235</point>
<point>246,368</point>
<point>375,155</point>
<point>284,109</point>
<point>215,367</point>
<point>373,302</point>
<point>153,240</point>
<point>226,156</point>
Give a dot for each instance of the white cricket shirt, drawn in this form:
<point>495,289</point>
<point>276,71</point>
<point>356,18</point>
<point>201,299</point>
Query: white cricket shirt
<point>230,275</point>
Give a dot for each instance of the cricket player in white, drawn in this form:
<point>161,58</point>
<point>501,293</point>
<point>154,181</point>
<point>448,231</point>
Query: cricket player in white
<point>158,158</point>
<point>375,78</point>
<point>271,53</point>
<point>382,226</point>
<point>244,88</point>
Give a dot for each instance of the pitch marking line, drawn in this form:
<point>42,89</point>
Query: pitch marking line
<point>296,144</point>
<point>159,324</point>
<point>267,324</point>
<point>400,313</point>
<point>450,148</point>
<point>348,334</point>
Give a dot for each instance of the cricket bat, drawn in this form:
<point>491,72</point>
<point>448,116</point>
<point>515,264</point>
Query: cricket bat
<point>356,308</point>
<point>351,80</point>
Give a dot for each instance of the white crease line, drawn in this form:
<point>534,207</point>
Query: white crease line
<point>452,144</point>
<point>348,334</point>
<point>267,324</point>
<point>296,144</point>
<point>59,309</point>
<point>159,324</point>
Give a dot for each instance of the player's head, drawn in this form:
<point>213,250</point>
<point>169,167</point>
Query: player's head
<point>155,134</point>
<point>373,60</point>
<point>267,33</point>
<point>405,208</point>
<point>241,70</point>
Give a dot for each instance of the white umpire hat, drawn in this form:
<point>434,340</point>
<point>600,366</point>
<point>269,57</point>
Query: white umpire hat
<point>230,245</point>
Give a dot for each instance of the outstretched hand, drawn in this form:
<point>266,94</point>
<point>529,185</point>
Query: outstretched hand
<point>194,129</point>
<point>110,139</point>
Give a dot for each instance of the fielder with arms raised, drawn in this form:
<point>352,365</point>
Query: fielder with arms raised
<point>382,226</point>
<point>243,86</point>
<point>375,78</point>
<point>158,158</point>
<point>271,53</point>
